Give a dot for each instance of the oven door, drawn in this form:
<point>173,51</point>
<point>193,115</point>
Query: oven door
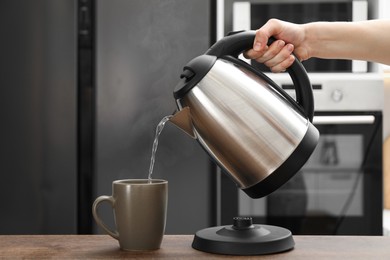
<point>338,191</point>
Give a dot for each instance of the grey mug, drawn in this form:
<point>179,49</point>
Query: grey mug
<point>140,210</point>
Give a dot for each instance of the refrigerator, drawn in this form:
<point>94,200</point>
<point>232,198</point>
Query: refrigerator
<point>83,86</point>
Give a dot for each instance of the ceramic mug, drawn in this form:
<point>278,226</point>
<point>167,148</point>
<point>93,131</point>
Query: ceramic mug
<point>140,210</point>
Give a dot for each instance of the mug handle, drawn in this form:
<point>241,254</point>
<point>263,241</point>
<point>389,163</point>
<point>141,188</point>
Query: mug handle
<point>98,220</point>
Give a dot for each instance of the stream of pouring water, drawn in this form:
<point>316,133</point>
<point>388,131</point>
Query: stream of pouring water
<point>159,129</point>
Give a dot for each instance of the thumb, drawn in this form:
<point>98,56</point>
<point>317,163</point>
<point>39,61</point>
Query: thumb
<point>271,28</point>
<point>260,41</point>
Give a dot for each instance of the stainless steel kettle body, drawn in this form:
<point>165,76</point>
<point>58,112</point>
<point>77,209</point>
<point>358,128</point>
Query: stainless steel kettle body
<point>252,129</point>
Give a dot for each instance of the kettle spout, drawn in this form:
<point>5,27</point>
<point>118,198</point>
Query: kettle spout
<point>182,119</point>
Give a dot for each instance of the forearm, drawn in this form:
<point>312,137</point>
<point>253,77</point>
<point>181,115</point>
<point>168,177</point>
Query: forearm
<point>368,40</point>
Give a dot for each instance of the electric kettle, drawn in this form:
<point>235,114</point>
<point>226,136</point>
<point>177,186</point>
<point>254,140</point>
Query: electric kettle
<point>254,131</point>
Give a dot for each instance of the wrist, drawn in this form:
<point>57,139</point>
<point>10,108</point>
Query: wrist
<point>309,40</point>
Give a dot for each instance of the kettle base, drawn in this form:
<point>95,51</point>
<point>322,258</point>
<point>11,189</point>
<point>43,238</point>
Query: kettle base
<point>249,240</point>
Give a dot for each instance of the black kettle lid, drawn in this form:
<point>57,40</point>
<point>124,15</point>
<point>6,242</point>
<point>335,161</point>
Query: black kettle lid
<point>193,72</point>
<point>243,238</point>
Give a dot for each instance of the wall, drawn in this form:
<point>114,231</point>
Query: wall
<point>142,47</point>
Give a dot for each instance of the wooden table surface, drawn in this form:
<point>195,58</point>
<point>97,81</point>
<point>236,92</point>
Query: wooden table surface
<point>179,247</point>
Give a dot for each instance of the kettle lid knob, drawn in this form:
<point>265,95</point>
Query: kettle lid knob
<point>193,72</point>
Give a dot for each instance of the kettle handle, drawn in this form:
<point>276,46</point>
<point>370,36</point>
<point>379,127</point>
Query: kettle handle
<point>238,42</point>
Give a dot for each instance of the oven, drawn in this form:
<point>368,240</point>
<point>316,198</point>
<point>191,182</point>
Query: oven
<point>339,190</point>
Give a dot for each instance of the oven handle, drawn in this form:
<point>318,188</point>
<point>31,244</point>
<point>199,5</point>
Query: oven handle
<point>344,120</point>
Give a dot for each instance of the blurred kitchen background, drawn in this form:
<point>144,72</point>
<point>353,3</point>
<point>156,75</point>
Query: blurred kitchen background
<point>84,83</point>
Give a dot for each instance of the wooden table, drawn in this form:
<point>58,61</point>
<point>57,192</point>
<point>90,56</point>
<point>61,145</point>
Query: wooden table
<point>179,247</point>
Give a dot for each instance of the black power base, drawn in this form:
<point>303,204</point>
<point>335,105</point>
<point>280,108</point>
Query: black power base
<point>244,238</point>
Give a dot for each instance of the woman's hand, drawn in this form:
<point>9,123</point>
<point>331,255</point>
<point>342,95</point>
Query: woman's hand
<point>278,56</point>
<point>364,40</point>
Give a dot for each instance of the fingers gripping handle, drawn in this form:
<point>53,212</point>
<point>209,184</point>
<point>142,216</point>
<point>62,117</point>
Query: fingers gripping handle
<point>237,43</point>
<point>97,218</point>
